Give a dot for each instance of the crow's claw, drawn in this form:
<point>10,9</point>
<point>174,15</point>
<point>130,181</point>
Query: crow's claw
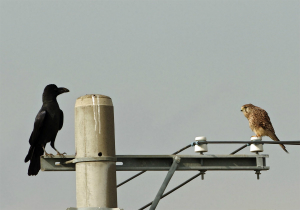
<point>61,154</point>
<point>49,154</point>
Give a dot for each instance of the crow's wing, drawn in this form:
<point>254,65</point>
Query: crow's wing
<point>61,120</point>
<point>38,124</point>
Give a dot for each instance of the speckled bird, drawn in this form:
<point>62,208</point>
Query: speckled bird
<point>259,122</point>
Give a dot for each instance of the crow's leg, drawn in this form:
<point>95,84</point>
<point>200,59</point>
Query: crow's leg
<point>58,153</point>
<point>47,154</point>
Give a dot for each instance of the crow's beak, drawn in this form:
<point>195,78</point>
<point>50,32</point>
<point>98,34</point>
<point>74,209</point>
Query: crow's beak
<point>62,90</point>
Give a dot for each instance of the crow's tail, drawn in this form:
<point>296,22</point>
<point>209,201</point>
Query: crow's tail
<point>35,163</point>
<point>29,155</point>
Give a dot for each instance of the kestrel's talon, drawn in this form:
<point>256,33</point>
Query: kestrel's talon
<point>257,136</point>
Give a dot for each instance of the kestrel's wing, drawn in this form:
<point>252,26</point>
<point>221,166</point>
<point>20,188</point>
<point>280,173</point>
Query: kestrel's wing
<point>265,121</point>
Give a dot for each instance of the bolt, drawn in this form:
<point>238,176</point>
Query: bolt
<point>257,173</point>
<point>202,174</point>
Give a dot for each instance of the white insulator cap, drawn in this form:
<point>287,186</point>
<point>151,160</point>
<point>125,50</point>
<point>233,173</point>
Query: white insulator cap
<point>199,138</point>
<point>256,147</point>
<point>202,147</point>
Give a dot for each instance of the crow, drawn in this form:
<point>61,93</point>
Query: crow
<point>48,122</point>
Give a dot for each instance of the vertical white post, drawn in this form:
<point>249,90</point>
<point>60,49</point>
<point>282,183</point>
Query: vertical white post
<point>94,137</point>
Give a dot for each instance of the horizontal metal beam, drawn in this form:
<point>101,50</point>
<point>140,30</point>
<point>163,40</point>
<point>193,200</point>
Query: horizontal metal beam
<point>164,162</point>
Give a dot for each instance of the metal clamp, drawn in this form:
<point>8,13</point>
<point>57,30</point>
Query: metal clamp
<point>177,159</point>
<point>92,159</point>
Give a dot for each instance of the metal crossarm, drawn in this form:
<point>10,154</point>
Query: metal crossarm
<point>190,162</point>
<point>163,162</point>
<point>217,142</point>
<point>202,173</point>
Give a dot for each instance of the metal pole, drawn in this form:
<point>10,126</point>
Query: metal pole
<point>94,137</point>
<point>165,183</point>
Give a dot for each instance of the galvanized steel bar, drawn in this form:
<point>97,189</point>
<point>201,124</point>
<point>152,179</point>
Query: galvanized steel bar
<point>165,183</point>
<point>138,174</point>
<point>163,162</point>
<point>189,162</point>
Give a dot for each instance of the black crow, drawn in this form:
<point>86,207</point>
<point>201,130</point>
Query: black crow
<point>48,122</point>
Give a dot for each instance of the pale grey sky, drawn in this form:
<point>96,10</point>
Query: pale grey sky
<point>174,70</point>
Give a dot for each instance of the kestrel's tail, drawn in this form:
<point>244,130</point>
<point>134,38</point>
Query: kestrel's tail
<point>275,138</point>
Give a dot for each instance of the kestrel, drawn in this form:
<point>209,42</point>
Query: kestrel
<point>259,122</point>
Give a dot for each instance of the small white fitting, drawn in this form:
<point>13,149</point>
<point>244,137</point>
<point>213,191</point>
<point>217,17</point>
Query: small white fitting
<point>202,147</point>
<point>256,147</point>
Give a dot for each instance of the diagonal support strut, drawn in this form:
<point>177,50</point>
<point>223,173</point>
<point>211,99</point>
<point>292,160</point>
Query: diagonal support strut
<point>165,183</point>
